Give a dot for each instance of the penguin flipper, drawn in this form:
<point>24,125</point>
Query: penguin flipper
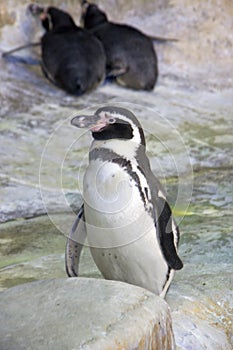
<point>161,40</point>
<point>168,233</point>
<point>167,230</point>
<point>74,244</point>
<point>116,69</point>
<point>49,76</point>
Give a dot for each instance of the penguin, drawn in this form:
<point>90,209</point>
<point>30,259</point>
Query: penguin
<point>72,58</point>
<point>131,57</point>
<point>125,216</point>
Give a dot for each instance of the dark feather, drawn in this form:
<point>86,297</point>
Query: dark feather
<point>74,244</point>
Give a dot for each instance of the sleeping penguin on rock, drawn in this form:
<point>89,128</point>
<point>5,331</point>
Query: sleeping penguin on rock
<point>72,58</point>
<point>131,58</point>
<point>125,216</point>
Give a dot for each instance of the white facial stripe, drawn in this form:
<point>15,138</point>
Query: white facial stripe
<point>124,148</point>
<point>136,135</point>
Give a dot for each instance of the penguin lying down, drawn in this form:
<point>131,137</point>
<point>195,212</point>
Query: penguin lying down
<point>72,58</point>
<point>131,58</point>
<point>125,216</point>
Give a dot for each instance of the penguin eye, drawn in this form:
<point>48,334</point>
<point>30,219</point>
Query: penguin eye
<point>111,120</point>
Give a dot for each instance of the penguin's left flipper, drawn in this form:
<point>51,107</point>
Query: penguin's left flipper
<point>168,233</point>
<point>75,244</point>
<point>47,74</point>
<point>116,69</point>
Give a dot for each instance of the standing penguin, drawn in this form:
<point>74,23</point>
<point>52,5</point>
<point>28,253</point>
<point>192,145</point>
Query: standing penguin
<point>128,223</point>
<point>131,57</point>
<point>72,58</point>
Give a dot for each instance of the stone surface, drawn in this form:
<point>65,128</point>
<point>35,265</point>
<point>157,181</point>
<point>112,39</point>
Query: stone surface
<point>33,249</point>
<point>25,201</point>
<point>85,314</point>
<point>201,296</point>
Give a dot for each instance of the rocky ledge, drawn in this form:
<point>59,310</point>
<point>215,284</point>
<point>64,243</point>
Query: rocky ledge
<point>87,314</point>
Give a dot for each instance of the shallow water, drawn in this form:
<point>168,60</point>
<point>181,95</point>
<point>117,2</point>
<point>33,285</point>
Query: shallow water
<point>188,124</point>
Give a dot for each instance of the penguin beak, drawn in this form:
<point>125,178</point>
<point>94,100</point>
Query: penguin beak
<point>35,9</point>
<point>38,11</point>
<point>94,122</point>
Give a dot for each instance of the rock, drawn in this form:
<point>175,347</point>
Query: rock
<point>20,202</point>
<point>201,295</point>
<point>87,314</point>
<point>202,322</point>
<point>26,201</point>
<point>34,249</point>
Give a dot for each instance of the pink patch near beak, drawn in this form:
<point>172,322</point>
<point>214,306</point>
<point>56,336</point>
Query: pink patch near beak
<point>43,16</point>
<point>98,127</point>
<point>102,122</point>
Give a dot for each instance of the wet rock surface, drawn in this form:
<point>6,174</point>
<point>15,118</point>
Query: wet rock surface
<point>188,125</point>
<point>55,314</point>
<point>201,296</point>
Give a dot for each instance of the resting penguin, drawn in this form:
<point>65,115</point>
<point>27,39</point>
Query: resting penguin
<point>131,57</point>
<point>72,58</point>
<point>128,223</point>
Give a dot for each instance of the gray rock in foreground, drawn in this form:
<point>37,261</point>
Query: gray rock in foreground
<point>79,313</point>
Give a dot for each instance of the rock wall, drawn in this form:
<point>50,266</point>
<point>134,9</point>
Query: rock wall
<point>85,314</point>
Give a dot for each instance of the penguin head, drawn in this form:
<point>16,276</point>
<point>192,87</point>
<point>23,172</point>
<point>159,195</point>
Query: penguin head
<point>92,16</point>
<point>59,18</point>
<point>35,9</point>
<point>112,123</point>
<point>51,17</point>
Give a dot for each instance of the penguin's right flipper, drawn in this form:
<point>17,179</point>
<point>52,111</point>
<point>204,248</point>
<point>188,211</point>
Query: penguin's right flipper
<point>75,244</point>
<point>160,40</point>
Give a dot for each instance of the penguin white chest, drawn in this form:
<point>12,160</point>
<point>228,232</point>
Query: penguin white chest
<point>106,186</point>
<point>110,195</point>
<point>114,211</point>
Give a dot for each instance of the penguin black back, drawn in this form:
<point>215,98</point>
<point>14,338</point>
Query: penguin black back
<point>131,57</point>
<point>72,58</point>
